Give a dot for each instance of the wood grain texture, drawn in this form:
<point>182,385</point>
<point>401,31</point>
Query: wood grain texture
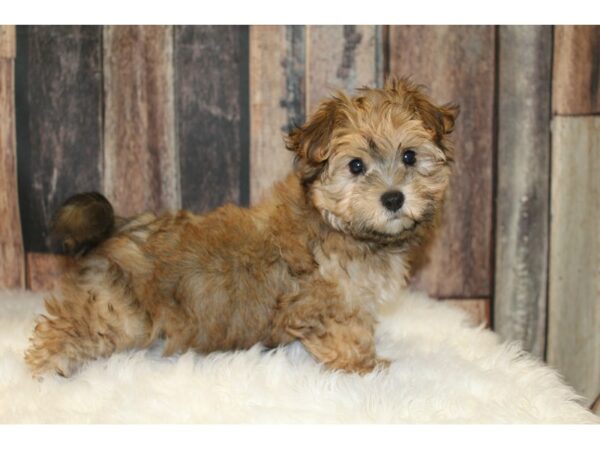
<point>342,57</point>
<point>44,271</point>
<point>140,161</point>
<point>595,407</point>
<point>8,41</point>
<point>576,84</point>
<point>523,183</point>
<point>59,121</point>
<point>277,101</point>
<point>211,69</point>
<point>12,262</point>
<point>574,285</point>
<point>477,308</point>
<point>460,257</point>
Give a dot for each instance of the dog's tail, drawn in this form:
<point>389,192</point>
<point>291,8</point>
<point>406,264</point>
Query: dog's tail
<point>83,221</point>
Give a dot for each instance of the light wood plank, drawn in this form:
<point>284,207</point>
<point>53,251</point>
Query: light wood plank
<point>44,271</point>
<point>523,185</point>
<point>595,407</point>
<point>460,257</point>
<point>576,84</point>
<point>342,57</point>
<point>59,122</point>
<point>8,41</point>
<point>574,285</point>
<point>140,161</point>
<point>211,91</point>
<point>477,308</point>
<point>12,262</point>
<point>277,101</point>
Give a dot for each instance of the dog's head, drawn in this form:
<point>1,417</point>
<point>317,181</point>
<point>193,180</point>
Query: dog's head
<point>376,165</point>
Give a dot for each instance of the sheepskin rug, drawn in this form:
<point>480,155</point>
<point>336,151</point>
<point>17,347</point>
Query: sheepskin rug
<point>444,370</point>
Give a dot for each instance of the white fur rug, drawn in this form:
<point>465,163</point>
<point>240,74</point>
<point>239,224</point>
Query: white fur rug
<point>443,370</point>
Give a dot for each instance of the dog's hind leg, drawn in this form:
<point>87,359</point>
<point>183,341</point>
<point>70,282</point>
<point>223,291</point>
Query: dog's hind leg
<point>98,315</point>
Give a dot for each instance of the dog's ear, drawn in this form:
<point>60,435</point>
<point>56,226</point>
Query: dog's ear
<point>438,119</point>
<point>447,115</point>
<point>311,141</point>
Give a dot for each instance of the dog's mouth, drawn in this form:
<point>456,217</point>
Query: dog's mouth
<point>365,232</point>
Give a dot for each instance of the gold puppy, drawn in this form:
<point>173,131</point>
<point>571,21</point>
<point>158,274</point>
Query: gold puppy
<point>311,262</point>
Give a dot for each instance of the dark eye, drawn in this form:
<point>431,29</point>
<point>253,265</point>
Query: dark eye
<point>357,166</point>
<point>409,157</point>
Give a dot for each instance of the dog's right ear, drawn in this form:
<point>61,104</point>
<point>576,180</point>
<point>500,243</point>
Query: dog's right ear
<point>311,141</point>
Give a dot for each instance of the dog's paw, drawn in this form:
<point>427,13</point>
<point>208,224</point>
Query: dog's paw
<point>41,361</point>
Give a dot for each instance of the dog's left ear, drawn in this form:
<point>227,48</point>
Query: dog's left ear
<point>439,119</point>
<point>447,115</point>
<point>311,141</point>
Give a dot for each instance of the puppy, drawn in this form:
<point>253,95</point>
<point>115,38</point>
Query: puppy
<point>311,262</point>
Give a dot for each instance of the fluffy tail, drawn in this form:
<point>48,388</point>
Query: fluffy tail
<point>83,221</point>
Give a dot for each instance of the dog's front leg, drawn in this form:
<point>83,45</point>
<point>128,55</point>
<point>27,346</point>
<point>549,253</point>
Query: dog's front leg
<point>340,336</point>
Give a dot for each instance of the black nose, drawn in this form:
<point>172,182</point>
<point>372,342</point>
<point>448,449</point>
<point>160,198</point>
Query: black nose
<point>392,200</point>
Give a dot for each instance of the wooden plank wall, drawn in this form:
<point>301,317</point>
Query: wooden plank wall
<point>163,117</point>
<point>523,178</point>
<point>12,261</point>
<point>59,131</point>
<point>574,280</point>
<point>459,260</point>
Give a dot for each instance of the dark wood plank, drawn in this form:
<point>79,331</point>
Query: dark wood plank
<point>574,285</point>
<point>460,257</point>
<point>576,84</point>
<point>12,262</point>
<point>523,183</point>
<point>141,171</point>
<point>477,308</point>
<point>44,271</point>
<point>342,57</point>
<point>211,90</point>
<point>277,101</point>
<point>8,41</point>
<point>59,121</point>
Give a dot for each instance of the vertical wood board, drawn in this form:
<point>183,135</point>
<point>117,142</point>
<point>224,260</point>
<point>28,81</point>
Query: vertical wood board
<point>459,261</point>
<point>576,83</point>
<point>12,262</point>
<point>343,57</point>
<point>8,41</point>
<point>59,122</point>
<point>140,160</point>
<point>211,90</point>
<point>277,101</point>
<point>523,179</point>
<point>574,285</point>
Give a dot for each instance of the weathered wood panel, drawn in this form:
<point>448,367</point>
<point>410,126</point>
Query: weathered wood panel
<point>44,271</point>
<point>8,41</point>
<point>342,57</point>
<point>59,121</point>
<point>12,262</point>
<point>477,308</point>
<point>140,162</point>
<point>595,407</point>
<point>460,257</point>
<point>211,70</point>
<point>576,84</point>
<point>277,101</point>
<point>523,183</point>
<point>574,287</point>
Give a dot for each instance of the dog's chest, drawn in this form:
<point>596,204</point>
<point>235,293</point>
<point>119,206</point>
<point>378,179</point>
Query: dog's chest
<point>365,280</point>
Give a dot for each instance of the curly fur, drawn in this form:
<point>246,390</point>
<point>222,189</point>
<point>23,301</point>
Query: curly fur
<point>309,263</point>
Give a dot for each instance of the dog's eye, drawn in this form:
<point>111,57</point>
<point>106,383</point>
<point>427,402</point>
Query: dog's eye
<point>409,157</point>
<point>357,166</point>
